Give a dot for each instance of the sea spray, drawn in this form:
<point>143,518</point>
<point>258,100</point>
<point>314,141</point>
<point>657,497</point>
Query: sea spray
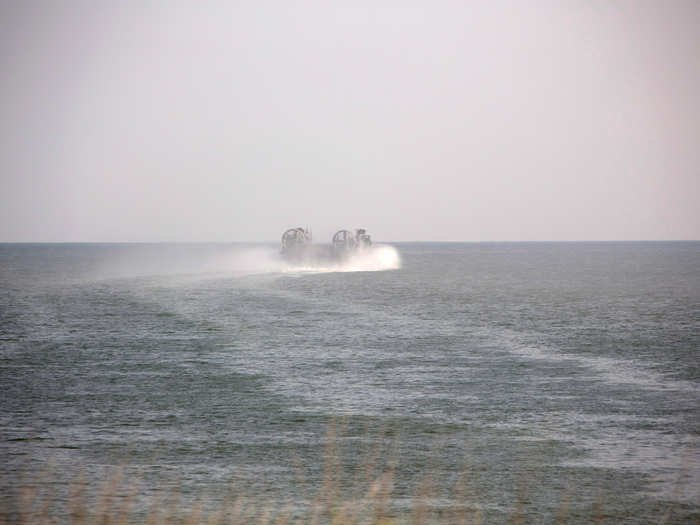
<point>251,260</point>
<point>194,262</point>
<point>374,259</point>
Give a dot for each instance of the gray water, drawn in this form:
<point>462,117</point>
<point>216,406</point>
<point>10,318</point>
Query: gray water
<point>548,372</point>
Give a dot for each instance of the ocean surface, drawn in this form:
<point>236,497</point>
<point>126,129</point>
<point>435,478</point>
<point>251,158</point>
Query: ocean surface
<point>549,375</point>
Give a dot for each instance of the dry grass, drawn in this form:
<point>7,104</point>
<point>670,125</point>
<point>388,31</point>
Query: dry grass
<point>340,499</point>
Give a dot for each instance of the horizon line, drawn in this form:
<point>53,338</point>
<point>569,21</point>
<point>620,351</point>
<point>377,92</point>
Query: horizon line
<point>506,241</point>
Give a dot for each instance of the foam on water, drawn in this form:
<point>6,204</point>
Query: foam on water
<point>609,369</point>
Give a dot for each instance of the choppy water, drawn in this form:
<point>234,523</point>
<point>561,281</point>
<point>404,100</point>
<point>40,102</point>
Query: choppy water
<point>549,371</point>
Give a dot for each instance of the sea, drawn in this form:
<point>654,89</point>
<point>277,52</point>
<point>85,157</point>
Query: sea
<point>524,381</point>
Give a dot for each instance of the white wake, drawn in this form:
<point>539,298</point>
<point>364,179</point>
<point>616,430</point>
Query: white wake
<point>377,258</point>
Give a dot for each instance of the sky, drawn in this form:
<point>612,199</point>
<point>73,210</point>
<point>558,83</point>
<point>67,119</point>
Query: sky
<point>436,121</point>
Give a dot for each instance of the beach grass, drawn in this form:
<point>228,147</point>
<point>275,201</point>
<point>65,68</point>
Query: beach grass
<point>366,496</point>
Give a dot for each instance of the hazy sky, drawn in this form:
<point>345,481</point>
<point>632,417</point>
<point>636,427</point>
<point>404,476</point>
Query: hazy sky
<point>232,121</point>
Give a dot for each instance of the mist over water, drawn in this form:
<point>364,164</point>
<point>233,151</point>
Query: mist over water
<point>376,258</point>
<point>572,367</point>
<point>239,261</point>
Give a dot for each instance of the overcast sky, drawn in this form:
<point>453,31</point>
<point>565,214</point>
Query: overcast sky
<point>465,121</point>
